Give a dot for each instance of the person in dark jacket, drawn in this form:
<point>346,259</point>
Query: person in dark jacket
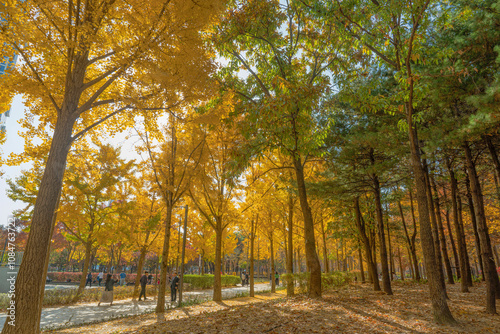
<point>107,294</point>
<point>89,279</point>
<point>143,281</point>
<point>174,286</point>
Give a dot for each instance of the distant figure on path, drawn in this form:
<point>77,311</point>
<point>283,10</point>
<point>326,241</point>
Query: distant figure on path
<point>150,279</point>
<point>277,278</point>
<point>107,294</point>
<point>122,278</point>
<point>174,286</point>
<point>143,281</point>
<point>243,278</point>
<point>100,276</point>
<point>89,279</point>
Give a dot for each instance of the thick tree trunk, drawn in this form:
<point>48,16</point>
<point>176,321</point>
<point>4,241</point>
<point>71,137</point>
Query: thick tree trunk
<point>386,279</point>
<point>312,259</point>
<point>160,304</point>
<point>442,239</point>
<point>440,309</point>
<point>217,270</point>
<point>290,287</point>
<point>491,276</point>
<point>461,251</point>
<point>372,267</point>
<point>30,282</point>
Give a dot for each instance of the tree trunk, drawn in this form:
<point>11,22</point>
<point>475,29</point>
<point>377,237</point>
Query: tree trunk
<point>474,223</point>
<point>464,243</point>
<point>361,269</point>
<point>142,257</point>
<point>252,252</point>
<point>386,279</point>
<point>435,235</point>
<point>491,276</point>
<point>160,304</point>
<point>83,278</point>
<point>414,241</point>
<point>440,309</point>
<point>30,283</point>
<point>452,241</point>
<point>325,250</point>
<point>442,238</point>
<point>217,270</point>
<point>290,287</point>
<point>401,269</point>
<point>312,259</point>
<point>464,287</point>
<point>372,267</point>
<point>273,283</point>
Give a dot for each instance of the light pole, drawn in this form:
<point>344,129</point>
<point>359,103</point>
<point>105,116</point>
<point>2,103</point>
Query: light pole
<point>183,253</point>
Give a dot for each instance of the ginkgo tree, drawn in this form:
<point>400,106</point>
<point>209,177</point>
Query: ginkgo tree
<point>84,63</point>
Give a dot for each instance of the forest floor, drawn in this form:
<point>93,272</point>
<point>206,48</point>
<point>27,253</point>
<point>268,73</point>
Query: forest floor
<point>351,309</point>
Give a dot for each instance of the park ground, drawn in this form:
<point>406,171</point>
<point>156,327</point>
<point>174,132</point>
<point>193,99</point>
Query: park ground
<point>351,309</point>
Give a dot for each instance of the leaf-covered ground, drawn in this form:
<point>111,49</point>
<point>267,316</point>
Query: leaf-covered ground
<point>353,309</point>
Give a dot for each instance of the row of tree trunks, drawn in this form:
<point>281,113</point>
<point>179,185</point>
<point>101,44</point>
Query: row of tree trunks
<point>491,276</point>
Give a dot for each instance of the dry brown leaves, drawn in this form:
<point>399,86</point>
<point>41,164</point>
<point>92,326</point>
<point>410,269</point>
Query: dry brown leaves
<point>355,309</point>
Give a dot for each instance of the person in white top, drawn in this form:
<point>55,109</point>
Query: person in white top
<point>100,277</point>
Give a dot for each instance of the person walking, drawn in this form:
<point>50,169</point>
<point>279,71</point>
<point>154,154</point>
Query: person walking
<point>89,279</point>
<point>143,281</point>
<point>100,276</point>
<point>107,294</point>
<point>122,278</point>
<point>173,287</point>
<point>277,278</point>
<point>243,278</point>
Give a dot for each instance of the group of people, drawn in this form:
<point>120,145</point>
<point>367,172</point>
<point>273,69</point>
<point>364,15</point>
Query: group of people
<point>244,278</point>
<point>107,294</point>
<point>100,277</point>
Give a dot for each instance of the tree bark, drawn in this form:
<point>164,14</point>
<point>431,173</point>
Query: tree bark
<point>372,268</point>
<point>440,309</point>
<point>30,283</point>
<point>474,224</point>
<point>325,250</point>
<point>414,240</point>
<point>361,269</point>
<point>160,304</point>
<point>464,243</point>
<point>461,251</point>
<point>442,239</point>
<point>312,259</point>
<point>386,279</point>
<point>290,287</point>
<point>491,276</point>
<point>252,252</point>
<point>217,270</point>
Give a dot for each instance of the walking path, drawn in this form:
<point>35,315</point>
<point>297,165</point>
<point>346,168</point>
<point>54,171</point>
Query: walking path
<point>62,316</point>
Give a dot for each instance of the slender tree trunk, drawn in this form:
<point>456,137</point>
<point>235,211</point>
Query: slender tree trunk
<point>452,241</point>
<point>325,250</point>
<point>442,238</point>
<point>312,259</point>
<point>290,287</point>
<point>218,253</point>
<point>252,252</point>
<point>160,304</point>
<point>372,267</point>
<point>386,280</point>
<point>401,269</point>
<point>461,251</point>
<point>414,240</point>
<point>435,235</point>
<point>464,243</point>
<point>140,265</point>
<point>273,270</point>
<point>361,269</point>
<point>474,223</point>
<point>412,266</point>
<point>86,263</point>
<point>491,276</point>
